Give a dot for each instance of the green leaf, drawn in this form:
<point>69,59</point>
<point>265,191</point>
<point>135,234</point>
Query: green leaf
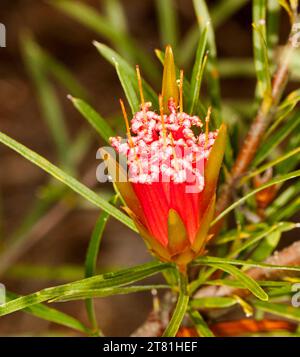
<point>200,325</point>
<point>116,16</point>
<point>214,302</point>
<point>94,118</point>
<point>285,311</point>
<point>48,101</point>
<point>180,309</point>
<point>260,48</point>
<point>70,181</point>
<point>198,70</point>
<point>276,138</point>
<point>266,247</point>
<point>91,257</point>
<point>168,22</point>
<point>273,14</point>
<point>282,291</point>
<point>284,109</point>
<point>112,57</point>
<point>283,201</point>
<point>239,285</point>
<point>204,21</point>
<point>212,70</point>
<point>269,164</point>
<point>256,238</point>
<point>247,281</point>
<point>220,12</point>
<point>241,234</point>
<point>101,293</point>
<point>287,211</point>
<point>188,46</point>
<point>90,18</point>
<point>281,226</point>
<point>247,263</point>
<point>49,314</point>
<point>276,180</point>
<point>128,89</point>
<point>104,281</point>
<point>95,241</point>
<point>289,165</point>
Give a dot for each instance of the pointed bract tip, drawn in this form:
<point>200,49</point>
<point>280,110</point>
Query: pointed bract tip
<point>169,83</point>
<point>169,49</point>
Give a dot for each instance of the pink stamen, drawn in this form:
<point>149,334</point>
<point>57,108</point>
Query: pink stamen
<point>167,149</point>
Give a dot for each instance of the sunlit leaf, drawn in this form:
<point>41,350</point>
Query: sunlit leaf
<point>198,70</point>
<point>247,281</point>
<point>94,118</point>
<point>112,57</point>
<point>108,280</point>
<point>214,302</point>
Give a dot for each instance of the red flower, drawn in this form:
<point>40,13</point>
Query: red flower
<point>172,173</point>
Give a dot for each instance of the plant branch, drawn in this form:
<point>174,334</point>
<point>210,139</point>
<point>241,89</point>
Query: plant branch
<point>254,137</point>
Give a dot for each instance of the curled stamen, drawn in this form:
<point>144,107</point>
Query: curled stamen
<point>131,143</point>
<point>140,86</point>
<point>181,92</point>
<point>130,140</point>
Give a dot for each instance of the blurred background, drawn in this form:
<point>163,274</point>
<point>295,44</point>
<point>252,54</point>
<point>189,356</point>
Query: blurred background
<point>44,237</point>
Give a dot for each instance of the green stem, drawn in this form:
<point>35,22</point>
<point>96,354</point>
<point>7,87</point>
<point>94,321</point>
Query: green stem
<point>181,306</point>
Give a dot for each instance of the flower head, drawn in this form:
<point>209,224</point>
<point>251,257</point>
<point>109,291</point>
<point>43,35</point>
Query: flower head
<point>172,172</point>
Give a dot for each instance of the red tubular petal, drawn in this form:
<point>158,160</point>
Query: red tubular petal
<point>158,198</point>
<point>156,208</point>
<point>187,206</point>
